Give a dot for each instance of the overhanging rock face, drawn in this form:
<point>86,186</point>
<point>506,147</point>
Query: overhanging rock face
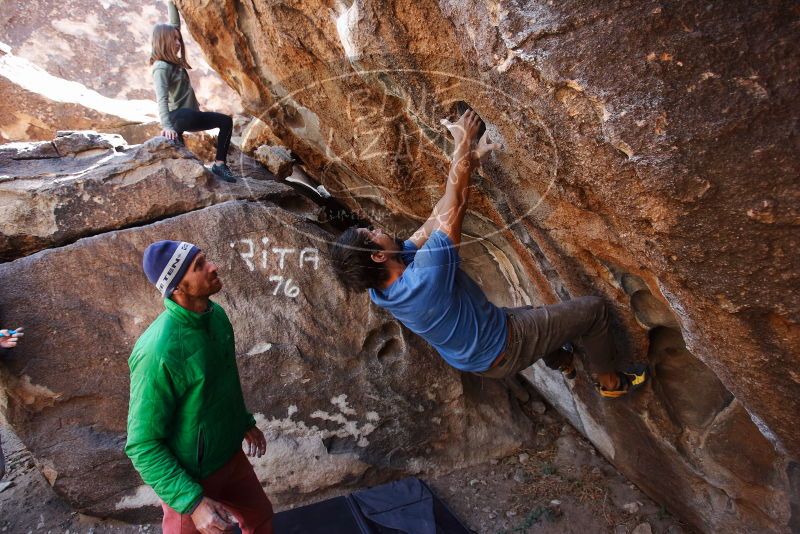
<point>345,395</point>
<point>650,156</point>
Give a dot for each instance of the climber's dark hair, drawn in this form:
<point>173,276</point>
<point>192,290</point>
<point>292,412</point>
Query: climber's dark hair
<point>352,261</point>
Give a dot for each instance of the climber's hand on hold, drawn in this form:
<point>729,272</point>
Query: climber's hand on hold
<point>453,128</point>
<point>464,131</point>
<point>484,146</point>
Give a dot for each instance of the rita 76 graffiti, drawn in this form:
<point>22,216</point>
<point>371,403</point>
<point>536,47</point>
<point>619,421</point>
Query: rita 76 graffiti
<point>258,253</point>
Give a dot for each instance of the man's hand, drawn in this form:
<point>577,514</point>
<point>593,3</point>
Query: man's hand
<point>170,134</point>
<point>484,146</point>
<point>448,214</point>
<point>211,517</point>
<point>463,131</point>
<point>10,341</point>
<point>256,442</point>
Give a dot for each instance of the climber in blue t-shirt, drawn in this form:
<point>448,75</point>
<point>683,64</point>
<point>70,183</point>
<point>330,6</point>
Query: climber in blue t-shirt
<point>437,300</point>
<point>420,282</point>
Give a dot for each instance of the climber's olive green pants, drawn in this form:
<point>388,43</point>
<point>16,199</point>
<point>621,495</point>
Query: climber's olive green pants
<point>540,332</point>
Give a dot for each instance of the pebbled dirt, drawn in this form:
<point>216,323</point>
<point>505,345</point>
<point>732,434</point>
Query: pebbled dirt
<point>558,483</point>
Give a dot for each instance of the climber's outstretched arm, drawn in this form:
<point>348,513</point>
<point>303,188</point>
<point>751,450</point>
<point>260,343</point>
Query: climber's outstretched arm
<point>448,214</point>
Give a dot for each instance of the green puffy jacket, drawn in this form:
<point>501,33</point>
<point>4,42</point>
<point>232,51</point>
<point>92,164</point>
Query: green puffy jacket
<point>187,416</point>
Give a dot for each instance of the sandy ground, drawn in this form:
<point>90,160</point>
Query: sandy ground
<point>557,484</point>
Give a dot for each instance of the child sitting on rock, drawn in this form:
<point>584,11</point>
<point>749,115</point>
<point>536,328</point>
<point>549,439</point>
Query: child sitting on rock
<point>177,104</point>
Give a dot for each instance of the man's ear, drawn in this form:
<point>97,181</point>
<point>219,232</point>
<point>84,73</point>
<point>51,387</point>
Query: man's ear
<point>179,288</point>
<point>379,256</point>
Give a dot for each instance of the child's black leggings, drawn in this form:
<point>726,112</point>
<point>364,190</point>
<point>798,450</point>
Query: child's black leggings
<point>189,120</point>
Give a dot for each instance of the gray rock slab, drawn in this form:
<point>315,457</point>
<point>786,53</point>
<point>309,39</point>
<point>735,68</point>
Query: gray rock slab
<point>346,396</point>
<point>84,183</point>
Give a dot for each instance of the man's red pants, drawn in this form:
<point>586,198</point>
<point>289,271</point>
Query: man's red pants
<point>236,486</point>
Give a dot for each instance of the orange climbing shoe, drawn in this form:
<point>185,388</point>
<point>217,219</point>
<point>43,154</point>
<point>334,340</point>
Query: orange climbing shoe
<point>630,379</point>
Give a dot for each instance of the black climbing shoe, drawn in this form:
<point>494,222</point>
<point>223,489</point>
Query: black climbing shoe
<point>568,369</point>
<point>630,379</point>
<point>223,172</point>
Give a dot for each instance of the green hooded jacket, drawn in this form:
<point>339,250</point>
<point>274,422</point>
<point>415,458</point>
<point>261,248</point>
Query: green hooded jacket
<point>187,416</point>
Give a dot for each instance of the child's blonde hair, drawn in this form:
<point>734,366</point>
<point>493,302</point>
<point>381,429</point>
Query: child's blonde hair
<point>163,35</point>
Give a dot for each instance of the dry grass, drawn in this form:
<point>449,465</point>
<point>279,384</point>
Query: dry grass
<point>548,482</point>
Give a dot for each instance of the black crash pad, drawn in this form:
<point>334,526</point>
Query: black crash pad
<point>404,506</point>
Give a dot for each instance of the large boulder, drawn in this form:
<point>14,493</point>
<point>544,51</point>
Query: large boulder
<point>645,144</point>
<point>36,105</point>
<point>87,68</point>
<point>346,396</point>
<point>84,183</point>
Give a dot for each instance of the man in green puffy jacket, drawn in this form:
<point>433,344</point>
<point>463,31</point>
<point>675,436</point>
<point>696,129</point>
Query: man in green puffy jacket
<point>187,417</point>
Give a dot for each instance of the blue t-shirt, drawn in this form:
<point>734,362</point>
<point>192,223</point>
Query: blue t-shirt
<point>435,299</point>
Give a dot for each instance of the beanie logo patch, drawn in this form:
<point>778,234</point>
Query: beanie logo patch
<point>173,266</point>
